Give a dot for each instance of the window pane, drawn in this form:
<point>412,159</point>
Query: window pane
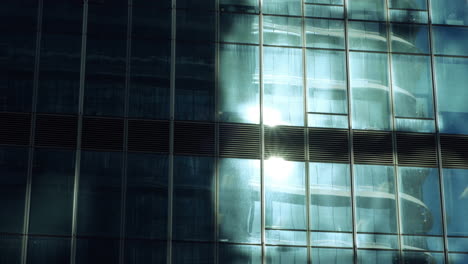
<point>52,192</point>
<point>193,198</point>
<point>13,173</point>
<point>451,12</point>
<point>195,25</point>
<point>367,36</point>
<point>286,255</point>
<point>194,98</point>
<point>404,4</point>
<point>456,207</point>
<point>419,201</point>
<point>330,190</point>
<point>239,180</point>
<point>285,237</point>
<point>330,121</point>
<point>239,28</point>
<point>187,253</point>
<point>409,38</point>
<point>377,241</point>
<point>146,207</point>
<point>375,199</point>
<point>324,33</point>
<point>105,59</point>
<point>51,250</point>
<point>283,87</point>
<point>458,258</point>
<point>282,7</point>
<point>149,79</point>
<point>282,31</point>
<point>451,80</point>
<point>330,2</point>
<point>239,84</point>
<point>240,254</point>
<point>250,6</point>
<point>284,194</point>
<point>10,249</point>
<point>367,10</point>
<point>324,11</point>
<point>332,256</point>
<point>369,86</point>
<point>423,257</point>
<point>415,125</point>
<point>145,251</point>
<point>458,244</point>
<point>95,251</point>
<point>377,256</point>
<point>99,194</point>
<point>408,16</point>
<point>450,40</point>
<point>412,86</point>
<point>423,243</point>
<point>324,239</point>
<point>326,81</point>
<point>59,75</point>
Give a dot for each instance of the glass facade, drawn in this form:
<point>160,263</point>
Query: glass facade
<point>234,131</point>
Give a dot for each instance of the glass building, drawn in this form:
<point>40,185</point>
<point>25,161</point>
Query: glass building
<point>234,131</point>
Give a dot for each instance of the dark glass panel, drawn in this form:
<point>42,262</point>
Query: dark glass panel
<point>52,192</point>
<point>239,28</point>
<point>146,196</point>
<point>377,256</point>
<point>250,6</point>
<point>423,258</point>
<point>193,198</point>
<point>145,251</point>
<point>192,253</point>
<point>105,58</point>
<point>99,194</point>
<point>13,173</point>
<point>10,249</point>
<point>149,79</point>
<point>50,250</point>
<point>59,73</point>
<point>195,26</point>
<point>150,20</point>
<point>450,40</point>
<point>205,5</point>
<point>240,254</point>
<point>409,38</point>
<point>195,75</point>
<point>97,251</point>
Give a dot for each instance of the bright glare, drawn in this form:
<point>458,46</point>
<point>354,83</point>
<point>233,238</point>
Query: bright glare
<point>278,170</point>
<point>271,117</point>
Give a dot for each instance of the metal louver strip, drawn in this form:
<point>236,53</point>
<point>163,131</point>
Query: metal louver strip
<point>416,150</point>
<point>372,147</point>
<point>285,142</point>
<point>15,128</point>
<point>56,131</point>
<point>239,141</point>
<point>454,151</point>
<point>102,133</point>
<point>329,145</point>
<point>191,138</point>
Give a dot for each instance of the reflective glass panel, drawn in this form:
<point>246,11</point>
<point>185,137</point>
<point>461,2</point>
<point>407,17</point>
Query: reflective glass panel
<point>329,2</point>
<point>450,40</point>
<point>324,11</point>
<point>332,255</point>
<point>326,81</point>
<point>324,239</point>
<point>239,180</point>
<point>330,121</point>
<point>324,33</point>
<point>282,31</point>
<point>408,16</point>
<point>286,255</point>
<point>367,10</point>
<point>285,237</point>
<point>193,198</point>
<point>458,244</point>
<point>239,28</point>
<point>240,254</point>
<point>195,26</point>
<point>456,205</point>
<point>419,201</point>
<point>186,253</point>
<point>283,87</point>
<point>367,36</point>
<point>10,249</point>
<point>412,86</point>
<point>458,258</point>
<point>451,79</point>
<point>423,257</point>
<point>145,251</point>
<point>330,201</point>
<point>453,12</point>
<point>377,256</point>
<point>377,241</point>
<point>404,4</point>
<point>409,38</point>
<point>239,91</point>
<point>249,6</point>
<point>375,199</point>
<point>369,91</point>
<point>53,250</point>
<point>284,194</point>
<point>282,7</point>
<point>52,192</point>
<point>423,243</point>
<point>415,125</point>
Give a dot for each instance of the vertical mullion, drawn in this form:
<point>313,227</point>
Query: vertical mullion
<point>437,135</point>
<point>27,204</point>
<point>350,131</point>
<point>123,196</point>
<point>79,128</point>
<point>215,118</point>
<point>171,134</point>
<point>262,136</point>
<point>306,133</point>
<point>393,128</point>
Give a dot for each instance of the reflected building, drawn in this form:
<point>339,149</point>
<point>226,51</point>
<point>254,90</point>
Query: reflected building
<point>234,131</point>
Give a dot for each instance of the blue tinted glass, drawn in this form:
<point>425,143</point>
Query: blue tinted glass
<point>282,7</point>
<point>240,254</point>
<point>450,40</point>
<point>456,207</point>
<point>367,36</point>
<point>329,239</point>
<point>324,11</point>
<point>409,38</point>
<point>453,12</point>
<point>239,28</point>
<point>404,4</point>
<point>324,33</point>
<point>430,243</point>
<point>332,255</point>
<point>451,80</point>
<point>282,31</point>
<point>367,10</point>
<point>286,255</point>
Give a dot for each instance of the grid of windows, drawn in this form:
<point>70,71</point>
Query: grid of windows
<point>234,131</point>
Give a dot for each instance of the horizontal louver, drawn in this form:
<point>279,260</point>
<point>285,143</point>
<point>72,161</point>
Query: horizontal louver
<point>285,142</point>
<point>194,138</point>
<point>454,151</point>
<point>416,150</point>
<point>148,136</point>
<point>102,133</point>
<point>372,147</point>
<point>239,141</point>
<point>56,131</point>
<point>15,128</point>
<point>328,145</point>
